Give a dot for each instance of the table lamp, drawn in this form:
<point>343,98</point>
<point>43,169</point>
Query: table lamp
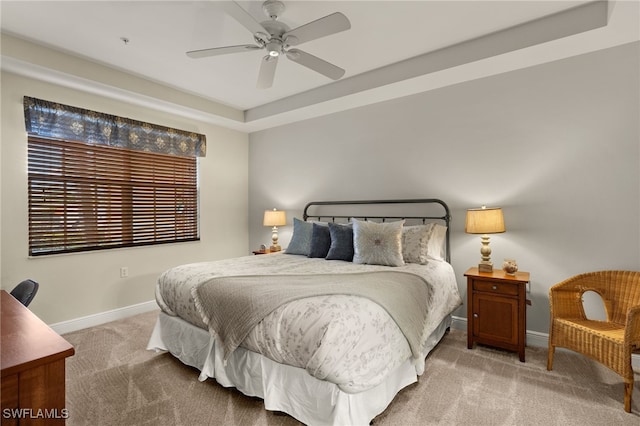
<point>274,218</point>
<point>484,221</point>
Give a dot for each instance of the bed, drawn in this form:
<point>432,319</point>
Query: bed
<point>330,329</point>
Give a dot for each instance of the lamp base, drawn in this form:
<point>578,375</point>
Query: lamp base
<point>274,240</point>
<point>485,267</point>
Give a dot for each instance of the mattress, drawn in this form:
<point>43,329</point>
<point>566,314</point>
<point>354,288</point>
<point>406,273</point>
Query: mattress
<point>283,388</point>
<point>346,340</point>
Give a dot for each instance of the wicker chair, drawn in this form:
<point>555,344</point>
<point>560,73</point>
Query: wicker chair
<point>609,342</point>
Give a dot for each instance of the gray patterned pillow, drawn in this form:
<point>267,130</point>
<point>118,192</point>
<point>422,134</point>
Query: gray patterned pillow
<point>301,238</point>
<point>415,241</point>
<point>377,243</point>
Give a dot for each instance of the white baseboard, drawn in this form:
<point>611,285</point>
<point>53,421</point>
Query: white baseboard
<point>103,317</point>
<point>535,339</point>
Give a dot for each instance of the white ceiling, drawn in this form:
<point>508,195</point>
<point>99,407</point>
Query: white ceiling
<point>160,32</point>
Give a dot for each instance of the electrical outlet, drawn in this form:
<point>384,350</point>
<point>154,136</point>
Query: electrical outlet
<point>124,272</point>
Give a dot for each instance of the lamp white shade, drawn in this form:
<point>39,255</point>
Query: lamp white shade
<point>484,221</point>
<point>274,218</point>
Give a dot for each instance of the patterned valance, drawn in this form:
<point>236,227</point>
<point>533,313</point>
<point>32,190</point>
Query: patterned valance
<point>50,119</point>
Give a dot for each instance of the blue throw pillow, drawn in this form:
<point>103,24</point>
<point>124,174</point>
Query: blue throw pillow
<point>320,241</point>
<point>341,242</point>
<point>301,239</point>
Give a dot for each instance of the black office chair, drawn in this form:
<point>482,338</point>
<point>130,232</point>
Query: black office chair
<point>25,291</point>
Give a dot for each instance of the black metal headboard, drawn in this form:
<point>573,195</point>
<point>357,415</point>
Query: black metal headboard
<point>370,214</point>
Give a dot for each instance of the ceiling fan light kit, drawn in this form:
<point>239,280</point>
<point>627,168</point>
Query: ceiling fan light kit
<point>273,48</point>
<point>276,38</point>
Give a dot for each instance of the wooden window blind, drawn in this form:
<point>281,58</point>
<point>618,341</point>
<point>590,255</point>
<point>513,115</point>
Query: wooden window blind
<point>89,197</point>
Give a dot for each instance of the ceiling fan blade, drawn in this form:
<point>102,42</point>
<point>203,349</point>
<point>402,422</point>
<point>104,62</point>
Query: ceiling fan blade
<point>267,72</point>
<point>322,27</point>
<point>234,10</point>
<point>316,64</point>
<point>215,51</point>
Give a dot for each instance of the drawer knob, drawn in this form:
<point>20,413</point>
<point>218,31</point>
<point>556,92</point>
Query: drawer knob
<point>475,315</point>
<point>495,287</point>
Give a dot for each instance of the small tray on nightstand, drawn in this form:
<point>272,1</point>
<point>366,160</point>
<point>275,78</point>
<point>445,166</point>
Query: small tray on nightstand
<point>262,251</point>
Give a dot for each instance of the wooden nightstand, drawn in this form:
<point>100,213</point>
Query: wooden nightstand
<point>496,309</point>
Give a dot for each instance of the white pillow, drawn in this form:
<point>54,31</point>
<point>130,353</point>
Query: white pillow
<point>436,246</point>
<point>377,243</point>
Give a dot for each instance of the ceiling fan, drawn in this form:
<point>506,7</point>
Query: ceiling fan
<point>276,38</point>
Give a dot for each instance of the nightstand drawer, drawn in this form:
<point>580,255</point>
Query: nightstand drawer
<point>494,287</point>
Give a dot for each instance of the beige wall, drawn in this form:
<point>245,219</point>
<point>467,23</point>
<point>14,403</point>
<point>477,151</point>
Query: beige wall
<point>78,285</point>
<point>556,145</point>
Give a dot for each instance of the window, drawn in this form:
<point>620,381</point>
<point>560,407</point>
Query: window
<point>88,196</point>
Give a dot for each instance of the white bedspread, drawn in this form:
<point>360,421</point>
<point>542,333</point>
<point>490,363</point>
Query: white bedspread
<point>343,339</point>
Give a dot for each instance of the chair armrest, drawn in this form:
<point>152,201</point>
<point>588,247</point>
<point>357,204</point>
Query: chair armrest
<point>632,327</point>
<point>565,301</point>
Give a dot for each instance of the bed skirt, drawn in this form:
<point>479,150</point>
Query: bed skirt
<point>283,388</point>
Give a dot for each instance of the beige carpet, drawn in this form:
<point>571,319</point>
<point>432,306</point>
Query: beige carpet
<point>113,380</point>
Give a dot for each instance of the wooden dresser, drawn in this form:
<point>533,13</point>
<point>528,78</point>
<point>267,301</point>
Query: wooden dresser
<point>33,367</point>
